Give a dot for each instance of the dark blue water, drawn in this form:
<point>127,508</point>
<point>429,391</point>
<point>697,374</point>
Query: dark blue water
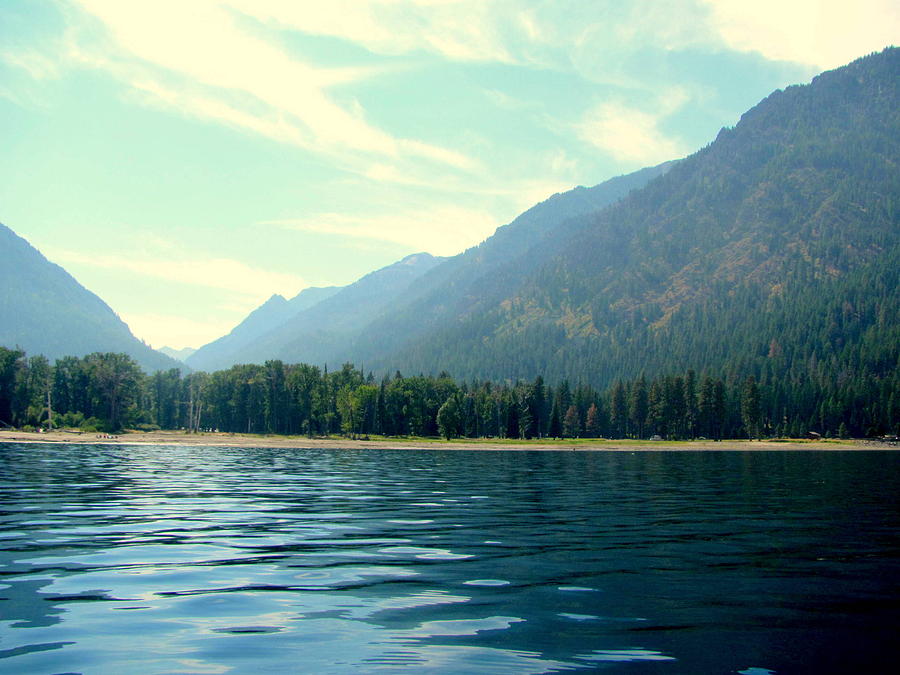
<point>224,560</point>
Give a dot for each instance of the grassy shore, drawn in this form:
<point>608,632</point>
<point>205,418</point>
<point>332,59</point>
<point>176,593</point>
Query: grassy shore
<point>271,441</point>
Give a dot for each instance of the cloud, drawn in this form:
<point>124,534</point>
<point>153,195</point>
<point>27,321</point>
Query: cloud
<point>632,135</point>
<point>231,61</point>
<point>196,104</point>
<point>459,30</point>
<point>823,33</point>
<point>38,65</point>
<point>223,274</point>
<point>629,44</point>
<point>25,73</point>
<point>199,59</point>
<point>445,230</point>
<point>527,193</point>
<point>504,101</point>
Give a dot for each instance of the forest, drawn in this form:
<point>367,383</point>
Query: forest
<point>109,392</point>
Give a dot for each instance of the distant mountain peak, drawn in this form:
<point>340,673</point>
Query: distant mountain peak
<point>416,259</point>
<point>179,354</point>
<point>276,299</point>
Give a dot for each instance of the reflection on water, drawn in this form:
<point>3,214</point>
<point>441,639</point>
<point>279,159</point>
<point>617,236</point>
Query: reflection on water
<point>215,560</point>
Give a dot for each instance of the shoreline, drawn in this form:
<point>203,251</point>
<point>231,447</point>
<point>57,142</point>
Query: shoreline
<point>223,439</point>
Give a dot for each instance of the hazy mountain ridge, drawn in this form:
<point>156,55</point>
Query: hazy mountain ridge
<point>370,321</point>
<point>484,273</point>
<point>267,317</point>
<point>318,333</point>
<point>44,310</point>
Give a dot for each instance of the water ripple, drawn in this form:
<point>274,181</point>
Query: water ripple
<point>212,560</point>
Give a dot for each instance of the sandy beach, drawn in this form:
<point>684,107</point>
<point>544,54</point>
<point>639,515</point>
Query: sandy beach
<point>267,441</point>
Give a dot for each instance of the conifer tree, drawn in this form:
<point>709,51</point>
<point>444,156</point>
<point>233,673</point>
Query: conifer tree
<point>638,407</point>
<point>719,409</point>
<point>751,411</point>
<point>538,407</point>
<point>619,410</point>
<point>706,407</point>
<point>554,429</point>
<point>690,403</point>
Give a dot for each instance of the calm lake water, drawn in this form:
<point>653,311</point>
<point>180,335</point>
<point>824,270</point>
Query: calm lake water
<point>137,559</point>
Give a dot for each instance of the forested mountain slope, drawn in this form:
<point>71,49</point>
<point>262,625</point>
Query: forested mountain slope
<point>44,310</point>
<point>774,249</point>
<point>488,272</point>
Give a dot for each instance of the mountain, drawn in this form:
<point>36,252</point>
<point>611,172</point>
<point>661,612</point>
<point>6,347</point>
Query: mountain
<point>44,310</point>
<point>265,318</point>
<point>485,273</point>
<point>177,354</point>
<point>772,251</point>
<point>382,311</point>
<point>318,332</point>
<point>776,247</point>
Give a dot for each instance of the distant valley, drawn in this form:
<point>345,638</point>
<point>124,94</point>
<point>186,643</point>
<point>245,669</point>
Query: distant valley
<point>177,354</point>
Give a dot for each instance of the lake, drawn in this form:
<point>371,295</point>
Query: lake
<point>164,559</point>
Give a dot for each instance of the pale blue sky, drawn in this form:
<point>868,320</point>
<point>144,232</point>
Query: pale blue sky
<point>185,159</point>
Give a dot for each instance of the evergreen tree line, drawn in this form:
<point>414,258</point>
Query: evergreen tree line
<point>109,392</point>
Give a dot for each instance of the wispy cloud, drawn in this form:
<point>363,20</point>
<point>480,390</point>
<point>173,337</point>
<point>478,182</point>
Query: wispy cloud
<point>445,230</point>
<point>634,135</point>
<point>506,102</point>
<point>38,65</point>
<point>196,58</point>
<point>24,73</point>
<point>218,273</point>
<point>227,61</point>
<point>460,30</point>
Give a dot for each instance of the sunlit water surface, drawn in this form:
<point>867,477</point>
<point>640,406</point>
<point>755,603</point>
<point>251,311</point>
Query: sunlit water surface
<point>220,560</point>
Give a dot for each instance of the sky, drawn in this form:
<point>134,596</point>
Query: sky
<point>186,159</point>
